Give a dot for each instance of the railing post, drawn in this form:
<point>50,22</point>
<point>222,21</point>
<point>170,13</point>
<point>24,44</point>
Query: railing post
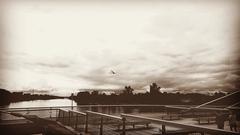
<point>50,112</point>
<point>163,129</point>
<point>86,123</point>
<point>69,122</point>
<point>57,114</point>
<point>76,123</point>
<point>123,126</point>
<point>101,126</point>
<point>28,110</point>
<point>63,118</point>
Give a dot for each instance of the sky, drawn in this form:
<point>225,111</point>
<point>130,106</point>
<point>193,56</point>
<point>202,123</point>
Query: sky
<point>61,46</point>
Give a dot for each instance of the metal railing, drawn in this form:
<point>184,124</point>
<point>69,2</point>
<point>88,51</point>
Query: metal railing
<point>50,113</point>
<point>71,118</point>
<point>195,128</point>
<point>122,120</point>
<point>76,119</point>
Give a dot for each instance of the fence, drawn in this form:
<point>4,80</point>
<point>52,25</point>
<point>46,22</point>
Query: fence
<point>72,118</point>
<point>104,119</point>
<point>49,113</point>
<point>195,128</point>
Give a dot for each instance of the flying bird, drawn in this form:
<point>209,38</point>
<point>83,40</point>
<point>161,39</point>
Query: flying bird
<point>113,72</point>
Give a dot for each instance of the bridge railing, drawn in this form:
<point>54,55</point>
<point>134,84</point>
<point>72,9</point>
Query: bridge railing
<point>77,119</point>
<point>50,113</point>
<point>72,118</point>
<point>195,128</point>
<point>63,116</point>
<point>101,119</point>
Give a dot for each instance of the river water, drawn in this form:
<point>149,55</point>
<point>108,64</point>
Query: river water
<point>62,103</point>
<point>42,103</point>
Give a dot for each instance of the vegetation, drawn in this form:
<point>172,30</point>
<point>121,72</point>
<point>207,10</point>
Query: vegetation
<point>127,96</point>
<point>7,97</point>
<point>154,97</point>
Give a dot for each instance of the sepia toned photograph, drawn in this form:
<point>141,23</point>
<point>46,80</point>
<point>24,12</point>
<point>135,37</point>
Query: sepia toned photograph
<point>120,67</point>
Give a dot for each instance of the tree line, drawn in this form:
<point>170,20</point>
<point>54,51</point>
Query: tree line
<point>154,96</point>
<point>6,97</point>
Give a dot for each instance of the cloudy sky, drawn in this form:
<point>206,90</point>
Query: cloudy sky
<point>190,46</point>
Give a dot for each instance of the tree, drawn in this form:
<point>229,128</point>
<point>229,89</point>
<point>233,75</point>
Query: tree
<point>5,97</point>
<point>128,90</point>
<point>154,89</point>
<point>95,93</point>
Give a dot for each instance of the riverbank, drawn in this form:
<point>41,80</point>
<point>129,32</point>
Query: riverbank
<point>7,97</point>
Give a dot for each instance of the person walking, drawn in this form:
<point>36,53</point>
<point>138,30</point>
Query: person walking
<point>220,119</point>
<point>233,121</point>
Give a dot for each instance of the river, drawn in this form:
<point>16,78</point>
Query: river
<point>42,103</point>
<point>68,102</point>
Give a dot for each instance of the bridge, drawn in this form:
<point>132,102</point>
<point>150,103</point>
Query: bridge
<point>101,120</point>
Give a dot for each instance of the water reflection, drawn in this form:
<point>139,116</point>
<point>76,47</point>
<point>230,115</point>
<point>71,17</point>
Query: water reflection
<point>103,109</point>
<point>43,103</point>
<point>62,103</point>
<point>117,110</point>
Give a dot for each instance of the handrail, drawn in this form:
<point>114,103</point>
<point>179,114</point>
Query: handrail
<point>177,107</point>
<point>81,113</point>
<point>104,115</point>
<point>210,109</point>
<point>234,104</point>
<point>234,108</point>
<point>124,105</point>
<point>63,109</point>
<point>217,99</point>
<point>20,108</point>
<point>122,119</point>
<point>185,126</point>
<point>42,109</point>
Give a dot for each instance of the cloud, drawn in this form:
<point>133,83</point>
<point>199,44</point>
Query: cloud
<point>53,65</point>
<point>192,47</point>
<point>183,74</point>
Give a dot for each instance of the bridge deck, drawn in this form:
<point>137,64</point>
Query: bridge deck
<point>110,130</point>
<point>96,123</point>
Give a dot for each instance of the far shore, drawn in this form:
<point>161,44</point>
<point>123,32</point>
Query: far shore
<point>7,97</point>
